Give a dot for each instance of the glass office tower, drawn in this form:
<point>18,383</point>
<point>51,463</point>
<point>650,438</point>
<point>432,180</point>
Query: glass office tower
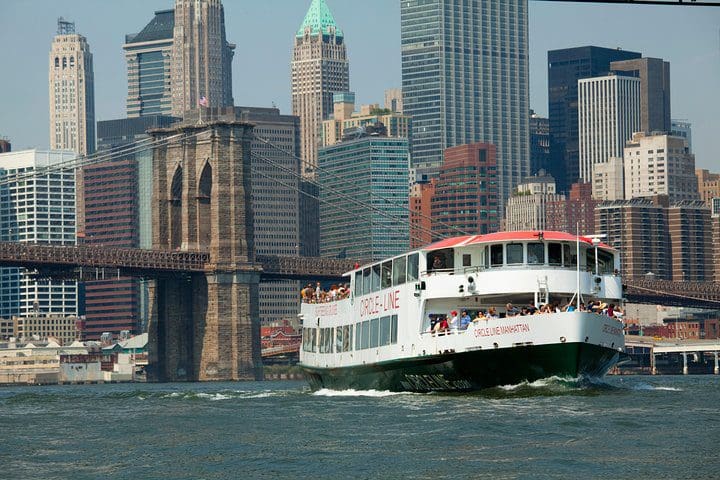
<point>465,80</point>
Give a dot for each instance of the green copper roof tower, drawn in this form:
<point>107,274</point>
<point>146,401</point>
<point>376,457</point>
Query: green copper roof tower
<point>319,19</point>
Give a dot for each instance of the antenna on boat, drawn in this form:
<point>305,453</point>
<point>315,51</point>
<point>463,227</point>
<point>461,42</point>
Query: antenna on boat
<point>577,262</point>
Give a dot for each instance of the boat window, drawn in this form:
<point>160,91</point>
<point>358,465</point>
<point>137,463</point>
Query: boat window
<point>412,267</point>
<point>607,262</point>
<point>339,339</point>
<point>358,336</point>
<point>441,259</point>
<point>466,259</point>
<point>367,285</point>
<point>374,324</point>
<point>536,253</point>
<point>375,276</point>
<point>496,255</point>
<point>485,258</point>
<point>358,283</point>
<point>569,255</point>
<point>365,334</point>
<point>393,329</point>
<point>555,253</point>
<point>385,325</point>
<point>326,340</point>
<point>514,253</point>
<point>347,338</point>
<point>399,268</point>
<point>309,339</point>
<point>386,278</point>
<point>590,260</point>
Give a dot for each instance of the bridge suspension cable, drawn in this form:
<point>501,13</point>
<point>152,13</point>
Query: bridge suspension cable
<point>96,158</point>
<point>352,215</point>
<point>334,176</point>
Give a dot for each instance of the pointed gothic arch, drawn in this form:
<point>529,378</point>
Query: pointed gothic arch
<point>204,195</point>
<point>176,188</point>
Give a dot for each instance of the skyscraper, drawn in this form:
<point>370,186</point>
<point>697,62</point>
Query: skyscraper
<point>465,80</point>
<point>364,195</point>
<point>654,75</point>
<point>72,102</point>
<point>149,60</point>
<point>608,115</point>
<point>38,211</point>
<point>72,96</point>
<point>320,68</point>
<point>565,67</point>
<point>201,56</point>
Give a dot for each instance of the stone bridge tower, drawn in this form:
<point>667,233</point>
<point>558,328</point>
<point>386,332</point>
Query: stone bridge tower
<point>204,327</point>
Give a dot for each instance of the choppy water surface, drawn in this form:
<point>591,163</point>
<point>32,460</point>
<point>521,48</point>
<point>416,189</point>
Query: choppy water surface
<point>621,427</point>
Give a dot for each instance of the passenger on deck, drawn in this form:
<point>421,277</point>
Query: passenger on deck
<point>478,316</point>
<point>464,320</point>
<point>510,311</point>
<point>442,326</point>
<point>438,262</point>
<point>453,322</point>
<point>318,291</point>
<point>491,313</point>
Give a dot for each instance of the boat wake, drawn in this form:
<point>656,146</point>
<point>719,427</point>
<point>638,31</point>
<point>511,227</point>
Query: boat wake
<point>325,392</point>
<point>552,386</point>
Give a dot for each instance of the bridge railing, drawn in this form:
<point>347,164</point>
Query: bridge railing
<point>30,254</point>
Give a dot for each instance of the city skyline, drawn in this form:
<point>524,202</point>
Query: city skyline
<point>692,52</point>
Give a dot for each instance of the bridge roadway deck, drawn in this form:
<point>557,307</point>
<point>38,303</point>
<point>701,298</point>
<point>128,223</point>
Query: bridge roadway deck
<point>71,260</point>
<point>670,345</point>
<point>86,262</point>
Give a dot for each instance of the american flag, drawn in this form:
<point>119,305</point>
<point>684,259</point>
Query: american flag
<point>203,102</point>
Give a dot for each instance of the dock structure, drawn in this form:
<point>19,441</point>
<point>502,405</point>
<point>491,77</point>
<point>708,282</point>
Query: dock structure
<point>657,354</point>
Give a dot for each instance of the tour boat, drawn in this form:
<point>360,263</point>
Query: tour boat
<point>385,335</point>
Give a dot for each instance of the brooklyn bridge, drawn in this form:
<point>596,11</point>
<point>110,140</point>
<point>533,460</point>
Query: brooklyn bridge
<point>202,270</point>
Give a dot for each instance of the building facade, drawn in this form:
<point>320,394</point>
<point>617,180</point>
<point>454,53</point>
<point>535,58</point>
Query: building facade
<point>708,185</point>
<point>149,61</point>
<point>393,100</point>
<point>539,143</point>
<point>608,115</point>
<point>201,57</point>
<point>5,146</point>
<point>421,195</point>
<point>345,118</point>
<point>659,165</point>
<point>574,214</point>
<point>117,193</point>
<point>320,68</point>
<point>654,75</point>
<point>276,202</point>
<point>466,193</point>
<point>682,128</point>
<point>364,198</point>
<point>689,231</point>
<point>638,228</point>
<point>565,67</point>
<point>609,179</point>
<point>465,80</point>
<point>37,211</point>
<point>527,208</point>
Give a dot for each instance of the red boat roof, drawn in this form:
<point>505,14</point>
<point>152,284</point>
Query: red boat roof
<point>519,236</point>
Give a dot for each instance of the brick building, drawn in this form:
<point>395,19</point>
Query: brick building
<point>466,194</point>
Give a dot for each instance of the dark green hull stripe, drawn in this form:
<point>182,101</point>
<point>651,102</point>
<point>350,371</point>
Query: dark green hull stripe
<point>469,370</point>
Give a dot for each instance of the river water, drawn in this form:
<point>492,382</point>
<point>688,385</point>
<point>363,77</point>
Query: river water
<point>618,427</point>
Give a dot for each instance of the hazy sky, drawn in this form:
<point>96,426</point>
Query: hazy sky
<point>688,37</point>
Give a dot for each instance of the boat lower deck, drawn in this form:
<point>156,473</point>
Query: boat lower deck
<point>472,370</point>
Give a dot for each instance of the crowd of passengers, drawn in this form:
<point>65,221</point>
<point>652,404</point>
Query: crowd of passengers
<point>454,322</point>
<point>317,294</point>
